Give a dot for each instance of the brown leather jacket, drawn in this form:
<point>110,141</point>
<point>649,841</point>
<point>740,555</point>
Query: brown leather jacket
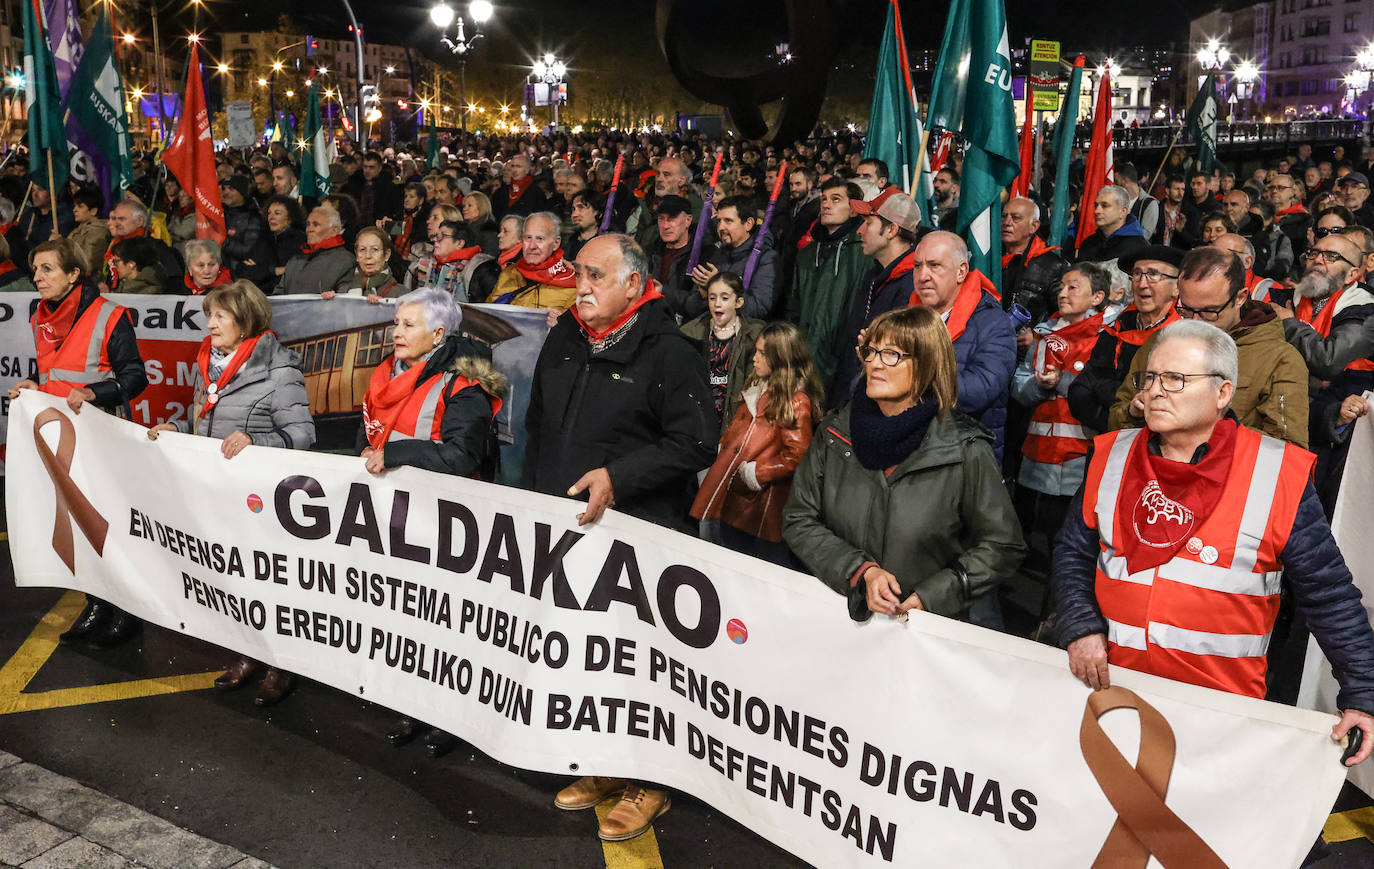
<point>775,452</point>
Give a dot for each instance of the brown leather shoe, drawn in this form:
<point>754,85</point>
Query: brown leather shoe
<point>634,814</point>
<point>275,686</point>
<point>239,672</point>
<point>587,792</point>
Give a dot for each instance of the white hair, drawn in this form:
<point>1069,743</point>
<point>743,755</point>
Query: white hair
<point>1219,347</point>
<point>1123,199</point>
<point>553,219</point>
<point>137,212</point>
<point>438,307</point>
<point>1039,215</point>
<point>335,221</point>
<point>197,246</point>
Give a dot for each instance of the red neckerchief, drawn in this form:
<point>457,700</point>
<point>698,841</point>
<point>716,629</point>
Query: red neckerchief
<point>459,255</point>
<point>403,249</point>
<point>510,255</point>
<point>332,242</point>
<point>52,323</point>
<point>554,271</point>
<point>386,396</point>
<point>220,280</point>
<point>1136,337</point>
<point>1322,323</point>
<point>518,188</point>
<point>7,266</point>
<point>1037,248</point>
<point>1251,279</point>
<point>650,293</point>
<point>806,236</point>
<point>1162,502</point>
<point>214,390</point>
<point>1292,209</point>
<point>965,303</point>
<point>109,253</point>
<point>1071,345</point>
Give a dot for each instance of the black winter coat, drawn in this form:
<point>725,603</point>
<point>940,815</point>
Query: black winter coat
<point>1033,285</point>
<point>642,409</point>
<point>247,238</point>
<point>1093,392</point>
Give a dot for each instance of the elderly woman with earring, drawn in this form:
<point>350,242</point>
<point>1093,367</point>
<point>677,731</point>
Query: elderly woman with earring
<point>87,352</point>
<point>249,391</point>
<point>431,404</point>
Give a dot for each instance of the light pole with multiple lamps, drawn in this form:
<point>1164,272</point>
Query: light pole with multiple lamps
<point>1246,73</point>
<point>1358,79</point>
<point>460,44</point>
<point>550,70</point>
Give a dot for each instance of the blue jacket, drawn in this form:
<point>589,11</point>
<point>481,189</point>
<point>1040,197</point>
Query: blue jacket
<point>1313,572</point>
<point>986,358</point>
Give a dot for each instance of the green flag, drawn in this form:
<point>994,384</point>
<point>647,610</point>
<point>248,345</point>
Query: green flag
<point>894,129</point>
<point>971,95</point>
<point>1201,123</point>
<point>433,152</point>
<point>47,138</point>
<point>96,110</point>
<point>1063,145</point>
<point>315,154</point>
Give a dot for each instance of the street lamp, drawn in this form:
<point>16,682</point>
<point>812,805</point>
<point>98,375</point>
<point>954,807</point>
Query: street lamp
<point>460,44</point>
<point>1213,55</point>
<point>1246,74</point>
<point>1358,79</point>
<point>550,70</point>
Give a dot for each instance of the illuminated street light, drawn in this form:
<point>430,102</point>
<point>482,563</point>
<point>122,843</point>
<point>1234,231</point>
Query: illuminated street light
<point>290,94</point>
<point>460,43</point>
<point>550,70</point>
<point>262,82</point>
<point>1213,55</point>
<point>276,66</point>
<point>324,70</point>
<point>391,70</point>
<point>193,38</point>
<point>129,39</point>
<point>223,68</point>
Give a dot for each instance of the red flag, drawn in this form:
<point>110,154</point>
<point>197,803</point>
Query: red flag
<point>1098,169</point>
<point>941,157</point>
<point>190,156</point>
<point>1021,186</point>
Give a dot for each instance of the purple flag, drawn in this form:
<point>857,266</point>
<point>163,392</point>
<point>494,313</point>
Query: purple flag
<point>64,32</point>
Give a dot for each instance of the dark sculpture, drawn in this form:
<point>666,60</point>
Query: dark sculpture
<point>800,84</point>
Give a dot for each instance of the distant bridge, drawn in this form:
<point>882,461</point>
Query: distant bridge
<point>1244,144</point>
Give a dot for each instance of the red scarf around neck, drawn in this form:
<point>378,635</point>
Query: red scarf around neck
<point>510,255</point>
<point>109,253</point>
<point>1036,248</point>
<point>1136,337</point>
<point>554,271</point>
<point>518,188</point>
<point>1071,345</point>
<point>220,280</point>
<point>650,293</point>
<point>52,323</point>
<point>1322,321</point>
<point>1295,208</point>
<point>332,242</point>
<point>386,396</point>
<point>214,390</point>
<point>461,254</point>
<point>965,303</point>
<point>1163,502</point>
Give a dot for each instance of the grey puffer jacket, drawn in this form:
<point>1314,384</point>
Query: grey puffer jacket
<point>265,400</point>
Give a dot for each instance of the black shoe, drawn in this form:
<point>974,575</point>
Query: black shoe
<point>404,732</point>
<point>439,743</point>
<point>92,618</point>
<point>123,626</point>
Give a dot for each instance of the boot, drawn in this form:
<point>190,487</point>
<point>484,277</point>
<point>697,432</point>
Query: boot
<point>92,618</point>
<point>239,672</point>
<point>439,743</point>
<point>634,814</point>
<point>275,686</point>
<point>122,627</point>
<point>404,732</point>
<point>587,792</point>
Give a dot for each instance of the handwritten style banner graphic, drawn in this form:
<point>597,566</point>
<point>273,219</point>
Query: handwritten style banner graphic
<point>625,649</point>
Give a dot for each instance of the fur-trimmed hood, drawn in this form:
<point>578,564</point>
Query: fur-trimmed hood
<point>483,372</point>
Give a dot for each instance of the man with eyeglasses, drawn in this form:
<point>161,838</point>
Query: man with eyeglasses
<point>1154,288</point>
<point>1173,559</point>
<point>1353,190</point>
<point>1290,216</point>
<point>1271,393</point>
<point>1327,324</point>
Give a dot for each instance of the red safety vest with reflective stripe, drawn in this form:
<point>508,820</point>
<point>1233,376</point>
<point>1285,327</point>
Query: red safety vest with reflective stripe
<point>1054,436</point>
<point>83,356</point>
<point>1322,323</point>
<point>1205,615</point>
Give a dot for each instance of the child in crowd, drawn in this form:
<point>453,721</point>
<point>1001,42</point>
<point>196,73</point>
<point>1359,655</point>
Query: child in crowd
<point>727,340</point>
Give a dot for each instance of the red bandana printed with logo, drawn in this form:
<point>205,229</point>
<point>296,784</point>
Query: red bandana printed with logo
<point>1162,502</point>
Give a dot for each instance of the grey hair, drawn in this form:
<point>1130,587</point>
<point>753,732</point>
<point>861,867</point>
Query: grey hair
<point>956,244</point>
<point>517,219</point>
<point>633,260</point>
<point>1039,215</point>
<point>440,309</point>
<point>550,217</point>
<point>136,210</point>
<point>197,246</point>
<point>1117,192</point>
<point>335,221</point>
<point>6,210</point>
<point>1220,347</point>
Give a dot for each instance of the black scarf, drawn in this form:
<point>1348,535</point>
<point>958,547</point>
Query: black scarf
<point>882,442</point>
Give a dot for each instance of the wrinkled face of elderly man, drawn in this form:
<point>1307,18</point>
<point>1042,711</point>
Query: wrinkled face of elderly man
<point>1190,404</point>
<point>939,270</point>
<point>603,292</point>
<point>320,225</point>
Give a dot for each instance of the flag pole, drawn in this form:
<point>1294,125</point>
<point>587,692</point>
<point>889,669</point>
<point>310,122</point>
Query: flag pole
<point>1163,162</point>
<point>52,197</point>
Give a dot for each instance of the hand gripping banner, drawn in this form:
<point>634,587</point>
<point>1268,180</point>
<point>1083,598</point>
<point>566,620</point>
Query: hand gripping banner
<point>1144,824</point>
<point>71,503</point>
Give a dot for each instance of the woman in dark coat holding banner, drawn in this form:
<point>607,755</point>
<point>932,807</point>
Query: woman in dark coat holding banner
<point>431,404</point>
<point>249,390</point>
<point>87,352</point>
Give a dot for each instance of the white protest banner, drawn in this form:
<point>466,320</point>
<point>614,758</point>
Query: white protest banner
<point>1350,527</point>
<point>626,649</point>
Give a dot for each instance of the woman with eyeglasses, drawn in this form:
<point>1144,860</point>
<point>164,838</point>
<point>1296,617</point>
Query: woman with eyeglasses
<point>899,503</point>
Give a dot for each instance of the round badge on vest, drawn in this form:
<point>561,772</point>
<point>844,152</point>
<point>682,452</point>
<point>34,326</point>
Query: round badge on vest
<point>1194,545</point>
<point>1208,555</point>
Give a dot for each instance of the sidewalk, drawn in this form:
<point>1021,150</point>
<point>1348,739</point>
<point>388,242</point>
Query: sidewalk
<point>48,821</point>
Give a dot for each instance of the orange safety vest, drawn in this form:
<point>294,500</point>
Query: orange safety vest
<point>83,356</point>
<point>1322,323</point>
<point>1054,435</point>
<point>422,415</point>
<point>1204,616</point>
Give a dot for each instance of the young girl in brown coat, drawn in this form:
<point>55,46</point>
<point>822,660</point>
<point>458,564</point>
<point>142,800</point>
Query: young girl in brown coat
<point>765,440</point>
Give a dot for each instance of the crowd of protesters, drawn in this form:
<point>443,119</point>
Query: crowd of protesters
<point>837,391</point>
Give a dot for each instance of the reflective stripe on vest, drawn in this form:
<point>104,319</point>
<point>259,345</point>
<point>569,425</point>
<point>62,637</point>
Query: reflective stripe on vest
<point>1204,616</point>
<point>97,323</point>
<point>423,414</point>
<point>1058,430</point>
<point>1260,292</point>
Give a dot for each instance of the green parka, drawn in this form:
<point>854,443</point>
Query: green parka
<point>828,270</point>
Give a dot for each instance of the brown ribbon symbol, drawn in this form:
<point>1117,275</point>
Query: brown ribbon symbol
<point>1144,824</point>
<point>71,503</point>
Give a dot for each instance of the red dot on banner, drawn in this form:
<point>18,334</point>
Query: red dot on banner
<point>255,503</point>
<point>736,631</point>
